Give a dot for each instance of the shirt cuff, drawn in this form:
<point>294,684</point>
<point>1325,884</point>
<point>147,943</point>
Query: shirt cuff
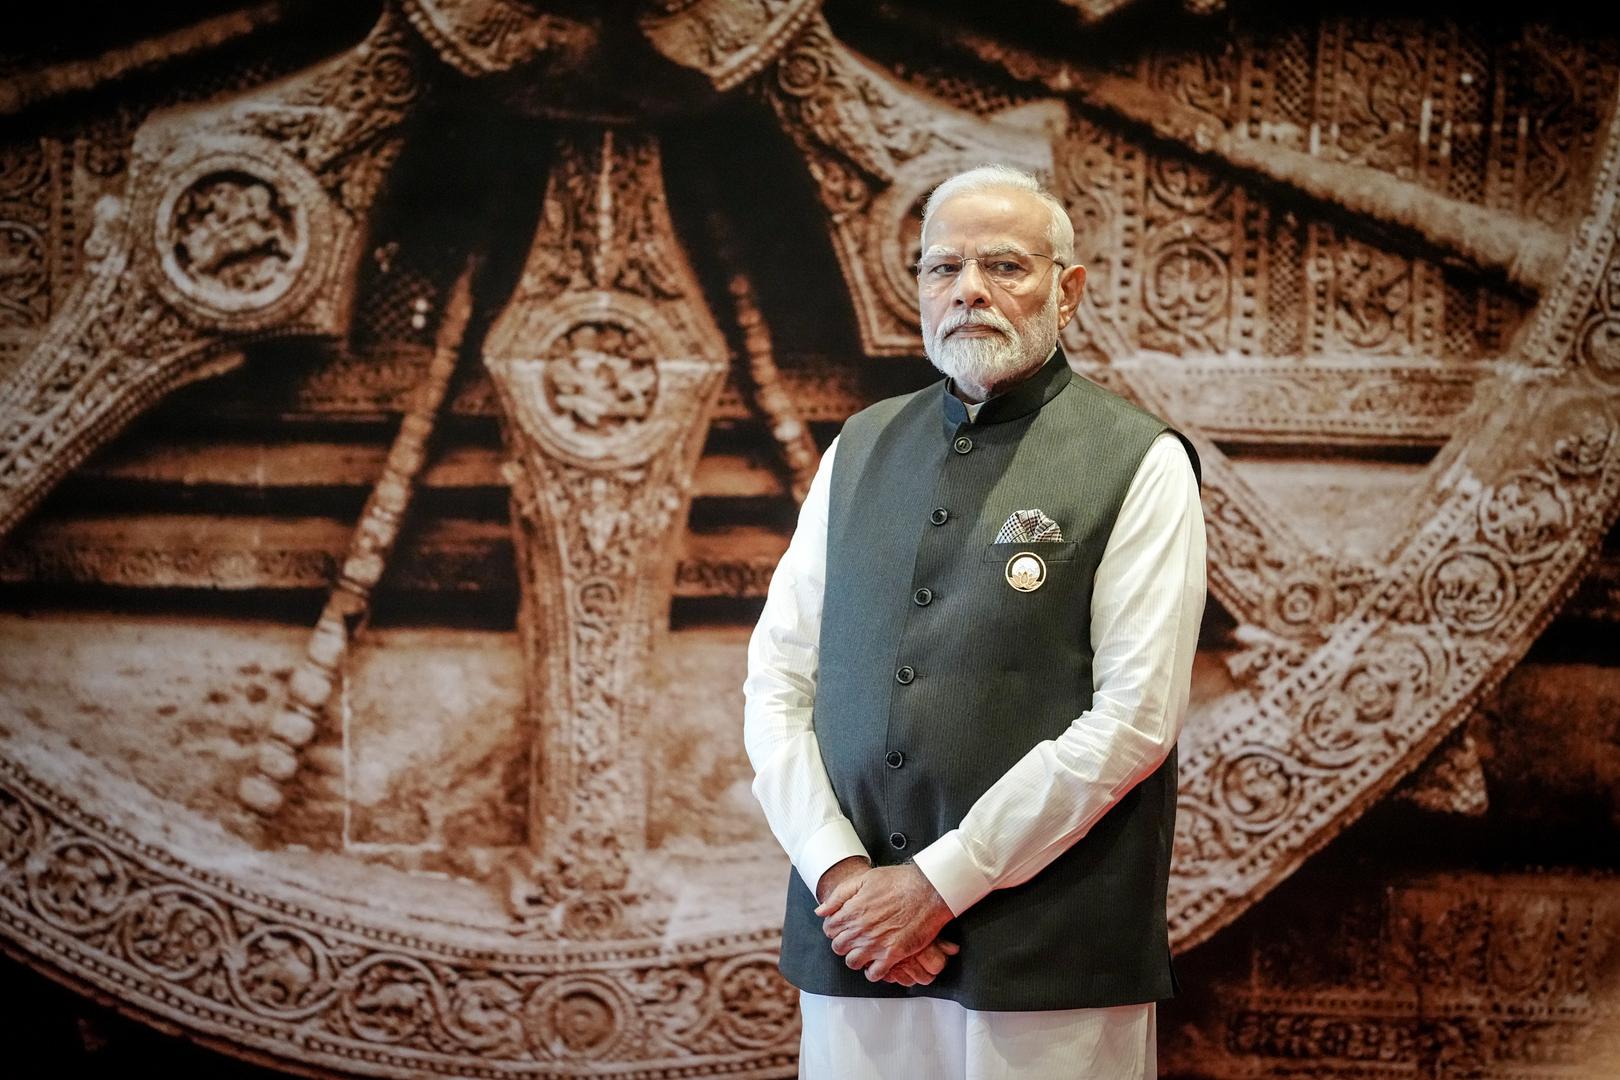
<point>831,844</point>
<point>946,865</point>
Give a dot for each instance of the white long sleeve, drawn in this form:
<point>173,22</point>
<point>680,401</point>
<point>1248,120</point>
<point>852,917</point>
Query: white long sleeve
<point>1146,606</point>
<point>779,693</point>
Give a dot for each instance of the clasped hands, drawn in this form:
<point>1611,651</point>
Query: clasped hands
<point>885,920</point>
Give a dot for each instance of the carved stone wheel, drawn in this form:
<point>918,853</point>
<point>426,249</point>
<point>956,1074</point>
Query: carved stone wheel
<point>1370,267</point>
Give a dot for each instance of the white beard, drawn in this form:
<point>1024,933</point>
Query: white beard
<point>979,364</point>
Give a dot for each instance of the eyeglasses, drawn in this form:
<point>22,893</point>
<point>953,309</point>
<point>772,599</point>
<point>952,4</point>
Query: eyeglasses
<point>1010,270</point>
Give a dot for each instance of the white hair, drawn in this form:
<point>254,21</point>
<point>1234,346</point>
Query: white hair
<point>1059,231</point>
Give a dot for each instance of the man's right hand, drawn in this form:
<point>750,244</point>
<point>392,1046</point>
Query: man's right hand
<point>921,968</point>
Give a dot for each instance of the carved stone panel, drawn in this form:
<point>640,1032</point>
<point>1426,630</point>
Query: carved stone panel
<point>1367,264</point>
<point>607,363</point>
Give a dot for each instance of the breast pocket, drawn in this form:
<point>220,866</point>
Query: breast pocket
<point>1061,551</point>
<point>1031,566</point>
<point>1030,590</point>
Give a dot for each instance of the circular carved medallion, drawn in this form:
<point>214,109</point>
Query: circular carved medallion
<point>1470,588</point>
<point>233,240</point>
<point>239,232</point>
<point>573,1018</point>
<point>388,999</point>
<point>602,378</point>
<point>757,1008</point>
<point>173,933</point>
<point>77,885</point>
<point>281,971</point>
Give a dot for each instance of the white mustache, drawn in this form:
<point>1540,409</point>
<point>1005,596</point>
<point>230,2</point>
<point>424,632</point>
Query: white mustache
<point>974,317</point>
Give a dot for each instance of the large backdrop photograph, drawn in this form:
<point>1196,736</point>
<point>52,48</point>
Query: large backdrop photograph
<point>404,405</point>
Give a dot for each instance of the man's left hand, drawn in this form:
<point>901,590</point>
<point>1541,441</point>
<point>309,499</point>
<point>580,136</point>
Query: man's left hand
<point>881,917</point>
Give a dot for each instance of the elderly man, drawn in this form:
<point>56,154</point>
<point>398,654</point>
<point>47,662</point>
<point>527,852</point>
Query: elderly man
<point>965,689</point>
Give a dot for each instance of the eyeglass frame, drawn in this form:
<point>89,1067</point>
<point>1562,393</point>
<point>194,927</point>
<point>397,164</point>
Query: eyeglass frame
<point>917,268</point>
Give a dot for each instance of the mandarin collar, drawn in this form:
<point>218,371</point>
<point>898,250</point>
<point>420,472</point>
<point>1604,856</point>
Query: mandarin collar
<point>1024,397</point>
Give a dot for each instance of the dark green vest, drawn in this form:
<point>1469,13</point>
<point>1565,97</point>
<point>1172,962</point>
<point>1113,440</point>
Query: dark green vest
<point>936,676</point>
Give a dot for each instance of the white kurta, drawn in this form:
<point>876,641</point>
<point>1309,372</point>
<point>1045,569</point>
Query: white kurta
<point>1147,603</point>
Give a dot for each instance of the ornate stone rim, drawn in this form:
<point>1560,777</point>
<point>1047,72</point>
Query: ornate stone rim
<point>345,949</point>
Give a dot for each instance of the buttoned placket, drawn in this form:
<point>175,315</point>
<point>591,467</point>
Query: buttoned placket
<point>923,595</point>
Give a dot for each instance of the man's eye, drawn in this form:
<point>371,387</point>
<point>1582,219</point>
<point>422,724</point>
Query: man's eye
<point>1005,266</point>
<point>944,269</point>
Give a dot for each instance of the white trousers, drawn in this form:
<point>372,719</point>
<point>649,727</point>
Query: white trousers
<point>852,1038</point>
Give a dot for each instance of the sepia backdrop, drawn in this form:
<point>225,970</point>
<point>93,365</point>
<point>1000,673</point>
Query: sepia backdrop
<point>403,405</point>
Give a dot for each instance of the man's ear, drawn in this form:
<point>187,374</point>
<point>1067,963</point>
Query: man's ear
<point>1072,284</point>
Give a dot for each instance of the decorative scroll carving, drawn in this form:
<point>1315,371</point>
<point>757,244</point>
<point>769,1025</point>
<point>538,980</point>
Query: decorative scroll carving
<point>727,40</point>
<point>875,148</point>
<point>194,947</point>
<point>486,37</point>
<point>607,364</point>
<point>238,221</point>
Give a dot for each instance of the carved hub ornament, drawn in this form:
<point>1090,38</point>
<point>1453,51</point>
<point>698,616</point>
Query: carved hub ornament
<point>243,220</point>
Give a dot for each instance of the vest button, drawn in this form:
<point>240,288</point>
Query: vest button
<point>905,675</point>
<point>963,444</point>
<point>897,840</point>
<point>940,515</point>
<point>894,759</point>
<point>923,597</point>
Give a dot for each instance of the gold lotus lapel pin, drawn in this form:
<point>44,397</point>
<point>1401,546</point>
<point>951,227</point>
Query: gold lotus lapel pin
<point>1026,571</point>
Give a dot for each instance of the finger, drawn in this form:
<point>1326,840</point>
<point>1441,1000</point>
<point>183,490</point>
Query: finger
<point>880,967</point>
<point>838,920</point>
<point>931,961</point>
<point>846,940</point>
<point>901,976</point>
<point>951,948</point>
<point>857,959</point>
<point>917,972</point>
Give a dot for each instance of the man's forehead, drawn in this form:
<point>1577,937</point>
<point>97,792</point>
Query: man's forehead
<point>992,215</point>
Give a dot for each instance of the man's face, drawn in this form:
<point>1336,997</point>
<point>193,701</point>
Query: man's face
<point>982,332</point>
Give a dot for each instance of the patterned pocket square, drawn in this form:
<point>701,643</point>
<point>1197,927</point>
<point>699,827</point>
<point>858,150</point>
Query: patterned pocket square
<point>1028,527</point>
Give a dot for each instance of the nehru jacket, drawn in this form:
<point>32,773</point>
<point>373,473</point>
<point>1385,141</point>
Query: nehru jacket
<point>936,675</point>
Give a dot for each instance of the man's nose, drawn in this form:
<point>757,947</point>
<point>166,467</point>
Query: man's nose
<point>972,287</point>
